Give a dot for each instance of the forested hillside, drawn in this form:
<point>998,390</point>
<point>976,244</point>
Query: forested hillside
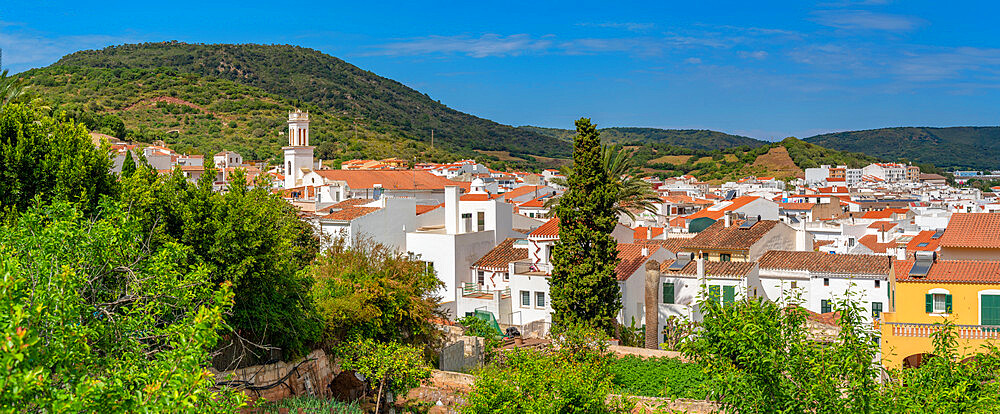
<point>330,84</point>
<point>696,139</point>
<point>956,147</point>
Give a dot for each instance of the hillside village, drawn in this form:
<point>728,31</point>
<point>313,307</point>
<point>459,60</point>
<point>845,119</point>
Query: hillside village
<point>886,234</point>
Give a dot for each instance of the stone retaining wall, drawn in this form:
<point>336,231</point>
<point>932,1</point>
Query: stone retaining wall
<point>310,378</point>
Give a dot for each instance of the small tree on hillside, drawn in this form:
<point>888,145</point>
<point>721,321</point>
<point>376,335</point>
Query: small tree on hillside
<point>583,286</point>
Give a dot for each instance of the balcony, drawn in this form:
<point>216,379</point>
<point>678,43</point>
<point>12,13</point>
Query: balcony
<point>924,330</point>
<point>532,269</point>
<point>475,291</point>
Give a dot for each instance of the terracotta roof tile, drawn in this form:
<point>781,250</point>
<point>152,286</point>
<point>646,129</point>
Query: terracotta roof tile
<point>522,190</point>
<point>821,262</point>
<point>421,208</point>
<point>976,230</point>
<point>879,214</point>
<point>346,203</point>
<point>719,237</point>
<point>724,269</point>
<point>350,213</point>
<point>871,242</point>
<point>952,271</point>
<point>796,206</point>
<point>391,180</point>
<point>548,230</point>
<point>882,225</point>
<point>641,232</point>
<point>631,258</point>
<point>923,238</point>
<point>501,256</point>
<point>820,243</point>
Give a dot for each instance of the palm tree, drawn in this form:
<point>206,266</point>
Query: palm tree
<point>10,88</point>
<point>634,194</point>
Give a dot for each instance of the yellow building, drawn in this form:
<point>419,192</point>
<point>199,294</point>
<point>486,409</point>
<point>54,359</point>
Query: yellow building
<point>961,284</point>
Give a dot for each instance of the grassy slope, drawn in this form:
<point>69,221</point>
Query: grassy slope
<point>956,147</point>
<point>687,138</point>
<point>330,84</point>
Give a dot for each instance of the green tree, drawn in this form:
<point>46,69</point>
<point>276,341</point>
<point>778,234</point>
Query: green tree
<point>583,285</point>
<point>94,321</point>
<point>48,159</point>
<point>247,236</point>
<point>392,366</point>
<point>367,290</point>
<point>11,88</point>
<point>128,165</point>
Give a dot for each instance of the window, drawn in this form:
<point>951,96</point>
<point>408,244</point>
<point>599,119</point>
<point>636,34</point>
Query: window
<point>876,310</point>
<point>540,299</point>
<point>824,306</point>
<point>728,294</point>
<point>714,292</point>
<point>990,310</point>
<point>668,293</point>
<point>795,285</point>
<point>878,283</point>
<point>937,303</point>
<point>924,244</point>
<point>480,221</point>
<point>525,298</point>
<point>725,257</point>
<point>826,281</point>
<point>506,277</point>
<point>481,278</point>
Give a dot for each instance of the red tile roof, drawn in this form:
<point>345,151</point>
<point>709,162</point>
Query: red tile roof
<point>534,203</point>
<point>671,245</point>
<point>479,197</point>
<point>871,242</point>
<point>641,232</point>
<point>350,213</point>
<point>421,208</point>
<point>975,230</point>
<point>346,203</point>
<point>733,205</point>
<point>501,256</point>
<point>391,180</point>
<point>719,237</point>
<point>548,230</point>
<point>879,214</point>
<point>522,190</point>
<point>921,238</point>
<point>724,269</point>
<point>882,225</point>
<point>631,258</point>
<point>796,206</point>
<point>952,271</point>
<point>820,243</point>
<point>820,262</point>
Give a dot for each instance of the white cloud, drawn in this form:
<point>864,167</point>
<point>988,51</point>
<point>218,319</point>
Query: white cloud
<point>758,55</point>
<point>693,61</point>
<point>866,20</point>
<point>483,46</point>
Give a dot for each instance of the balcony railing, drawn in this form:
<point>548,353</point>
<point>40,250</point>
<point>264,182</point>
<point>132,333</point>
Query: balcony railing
<point>474,290</point>
<point>534,269</point>
<point>924,330</point>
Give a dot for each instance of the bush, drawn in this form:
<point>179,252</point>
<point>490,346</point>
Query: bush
<point>658,377</point>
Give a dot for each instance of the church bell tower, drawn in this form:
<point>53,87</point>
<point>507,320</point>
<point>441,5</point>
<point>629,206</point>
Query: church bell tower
<point>298,153</point>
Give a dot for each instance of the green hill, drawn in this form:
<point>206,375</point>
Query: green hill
<point>698,139</point>
<point>248,76</point>
<point>955,147</point>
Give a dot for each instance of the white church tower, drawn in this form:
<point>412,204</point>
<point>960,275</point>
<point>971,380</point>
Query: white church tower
<point>298,153</point>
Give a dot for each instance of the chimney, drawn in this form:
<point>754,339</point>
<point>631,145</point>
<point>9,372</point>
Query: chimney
<point>803,237</point>
<point>652,305</point>
<point>727,219</point>
<point>701,265</point>
<point>645,251</point>
<point>451,215</point>
<point>649,233</point>
<point>901,253</point>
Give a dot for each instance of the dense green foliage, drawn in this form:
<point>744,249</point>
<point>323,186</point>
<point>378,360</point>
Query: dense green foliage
<point>308,404</point>
<point>94,321</point>
<point>247,236</point>
<point>388,366</point>
<point>759,357</point>
<point>633,195</point>
<point>476,326</point>
<point>329,84</point>
<point>955,147</point>
<point>205,114</point>
<point>370,291</point>
<point>45,159</point>
<point>572,376</point>
<point>583,285</point>
<point>658,377</point>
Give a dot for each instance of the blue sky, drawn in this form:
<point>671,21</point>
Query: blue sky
<point>763,69</point>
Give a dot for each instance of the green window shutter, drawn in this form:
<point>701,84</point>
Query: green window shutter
<point>713,292</point>
<point>824,306</point>
<point>877,310</point>
<point>668,293</point>
<point>728,294</point>
<point>947,303</point>
<point>929,299</point>
<point>990,310</point>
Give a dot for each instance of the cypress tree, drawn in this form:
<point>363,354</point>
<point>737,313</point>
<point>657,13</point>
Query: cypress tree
<point>583,285</point>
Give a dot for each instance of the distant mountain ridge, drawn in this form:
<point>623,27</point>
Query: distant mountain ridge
<point>697,139</point>
<point>947,147</point>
